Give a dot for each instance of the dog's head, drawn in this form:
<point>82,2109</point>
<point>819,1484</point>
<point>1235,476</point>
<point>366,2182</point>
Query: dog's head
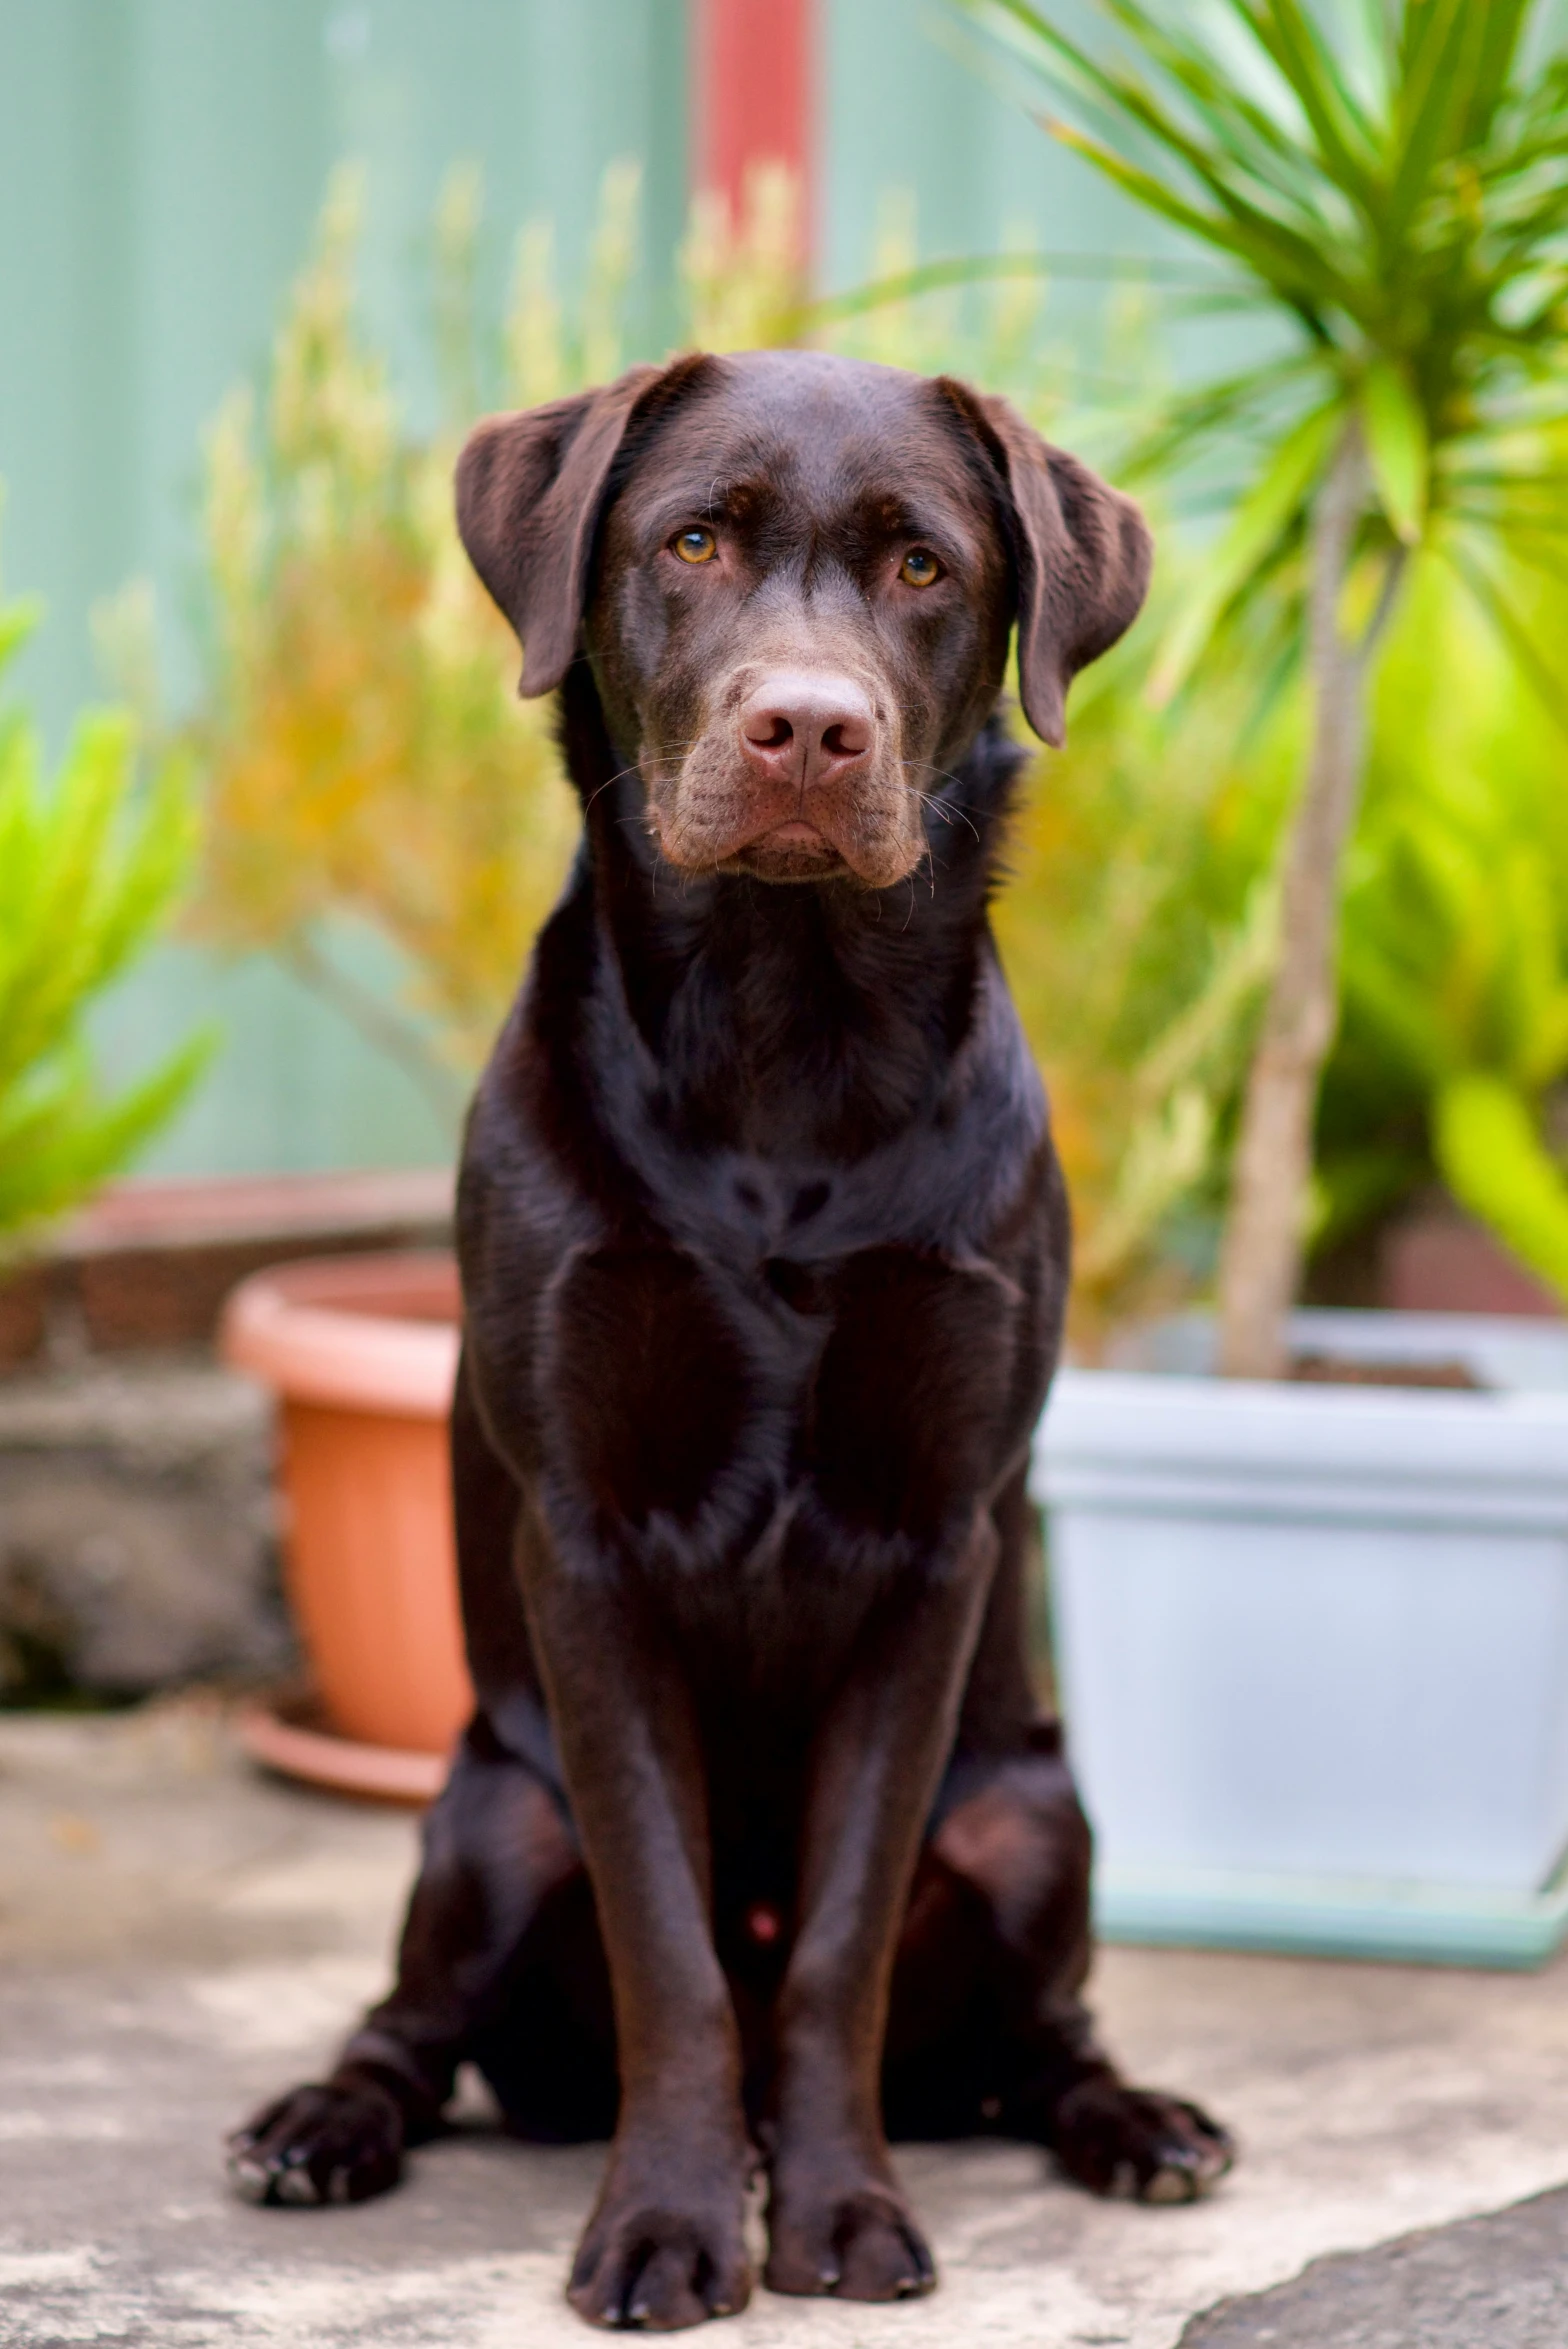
<point>795,576</point>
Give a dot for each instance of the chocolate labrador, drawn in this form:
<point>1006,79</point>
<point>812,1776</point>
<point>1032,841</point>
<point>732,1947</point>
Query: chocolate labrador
<point>758,1847</point>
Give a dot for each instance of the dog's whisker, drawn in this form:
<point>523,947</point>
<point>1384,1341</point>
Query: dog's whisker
<point>608,784</point>
<point>946,809</point>
<point>950,810</point>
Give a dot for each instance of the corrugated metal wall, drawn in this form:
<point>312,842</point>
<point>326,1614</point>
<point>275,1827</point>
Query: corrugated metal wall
<point>161,164</point>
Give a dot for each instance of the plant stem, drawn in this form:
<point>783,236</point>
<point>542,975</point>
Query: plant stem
<point>1261,1257</point>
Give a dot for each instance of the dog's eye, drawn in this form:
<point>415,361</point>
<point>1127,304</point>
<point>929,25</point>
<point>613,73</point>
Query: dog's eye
<point>696,545</point>
<point>919,567</point>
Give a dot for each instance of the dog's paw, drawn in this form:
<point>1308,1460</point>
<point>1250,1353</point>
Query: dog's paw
<point>656,2258</point>
<point>1140,2145</point>
<point>859,2244</point>
<point>319,2144</point>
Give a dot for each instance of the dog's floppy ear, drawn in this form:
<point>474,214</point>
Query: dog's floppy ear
<point>1083,552</point>
<point>529,491</point>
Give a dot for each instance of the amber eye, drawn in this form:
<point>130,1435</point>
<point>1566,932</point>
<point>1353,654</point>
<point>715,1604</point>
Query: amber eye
<point>919,567</point>
<point>696,545</point>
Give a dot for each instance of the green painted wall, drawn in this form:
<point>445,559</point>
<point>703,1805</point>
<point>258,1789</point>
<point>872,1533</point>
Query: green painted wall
<point>161,164</point>
<point>915,99</point>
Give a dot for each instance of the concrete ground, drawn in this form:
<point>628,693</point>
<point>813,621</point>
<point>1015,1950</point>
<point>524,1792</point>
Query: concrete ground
<point>179,1936</point>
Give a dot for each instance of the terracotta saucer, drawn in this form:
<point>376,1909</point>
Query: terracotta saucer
<point>292,1734</point>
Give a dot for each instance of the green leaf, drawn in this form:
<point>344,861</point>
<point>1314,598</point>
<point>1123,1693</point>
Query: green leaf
<point>1543,674</point>
<point>18,619</point>
<point>1268,149</point>
<point>1400,1011</point>
<point>1257,526</point>
<point>1275,254</point>
<point>1297,259</point>
<point>1232,407</point>
<point>90,862</point>
<point>1492,1158</point>
<point>1308,67</point>
<point>59,1144</point>
<point>1432,100</point>
<point>1396,440</point>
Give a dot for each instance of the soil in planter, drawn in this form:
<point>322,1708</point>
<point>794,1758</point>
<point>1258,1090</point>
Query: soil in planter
<point>1344,1370</point>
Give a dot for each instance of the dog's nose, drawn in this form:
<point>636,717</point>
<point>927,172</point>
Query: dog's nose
<point>806,728</point>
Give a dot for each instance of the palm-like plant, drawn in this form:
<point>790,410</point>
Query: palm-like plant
<point>1386,182</point>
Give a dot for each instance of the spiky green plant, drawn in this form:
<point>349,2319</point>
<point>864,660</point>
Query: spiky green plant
<point>1385,186</point>
<point>89,868</point>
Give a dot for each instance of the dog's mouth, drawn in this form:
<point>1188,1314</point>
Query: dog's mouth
<point>711,815</point>
<point>793,851</point>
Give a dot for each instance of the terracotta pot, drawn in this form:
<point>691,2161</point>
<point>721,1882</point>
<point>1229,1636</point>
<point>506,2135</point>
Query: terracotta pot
<point>362,1352</point>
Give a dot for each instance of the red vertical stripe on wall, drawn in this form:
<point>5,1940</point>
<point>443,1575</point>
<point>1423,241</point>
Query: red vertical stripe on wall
<point>753,92</point>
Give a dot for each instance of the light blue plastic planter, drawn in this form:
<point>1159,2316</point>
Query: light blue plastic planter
<point>1313,1642</point>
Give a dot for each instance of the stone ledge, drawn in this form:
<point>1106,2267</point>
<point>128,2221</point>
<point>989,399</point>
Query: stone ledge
<point>150,1264</point>
<point>1499,2281</point>
<point>137,1530</point>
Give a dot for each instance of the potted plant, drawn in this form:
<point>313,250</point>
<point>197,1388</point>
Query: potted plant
<point>1300,1579</point>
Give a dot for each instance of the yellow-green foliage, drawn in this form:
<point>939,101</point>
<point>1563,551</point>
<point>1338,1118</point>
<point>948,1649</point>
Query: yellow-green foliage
<point>89,867</point>
<point>363,747</point>
<point>1453,1054</point>
<point>1138,932</point>
<point>1490,1149</point>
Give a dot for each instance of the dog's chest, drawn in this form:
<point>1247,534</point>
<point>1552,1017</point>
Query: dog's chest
<point>777,1416</point>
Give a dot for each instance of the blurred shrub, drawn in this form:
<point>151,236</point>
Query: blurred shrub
<point>90,865</point>
<point>363,748</point>
<point>1452,1059</point>
<point>1138,930</point>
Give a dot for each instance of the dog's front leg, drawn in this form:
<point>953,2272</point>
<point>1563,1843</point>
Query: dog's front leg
<point>665,2244</point>
<point>837,2219</point>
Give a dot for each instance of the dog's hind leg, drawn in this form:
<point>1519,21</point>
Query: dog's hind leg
<point>496,1848</point>
<point>987,2028</point>
<point>499,1861</point>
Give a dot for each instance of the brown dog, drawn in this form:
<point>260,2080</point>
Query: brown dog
<point>757,1840</point>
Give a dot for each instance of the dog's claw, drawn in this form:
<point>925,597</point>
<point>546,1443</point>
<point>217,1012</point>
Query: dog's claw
<point>647,2264</point>
<point>295,2185</point>
<point>877,2251</point>
<point>1137,2145</point>
<point>318,2145</point>
<point>250,2178</point>
<point>1174,2182</point>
